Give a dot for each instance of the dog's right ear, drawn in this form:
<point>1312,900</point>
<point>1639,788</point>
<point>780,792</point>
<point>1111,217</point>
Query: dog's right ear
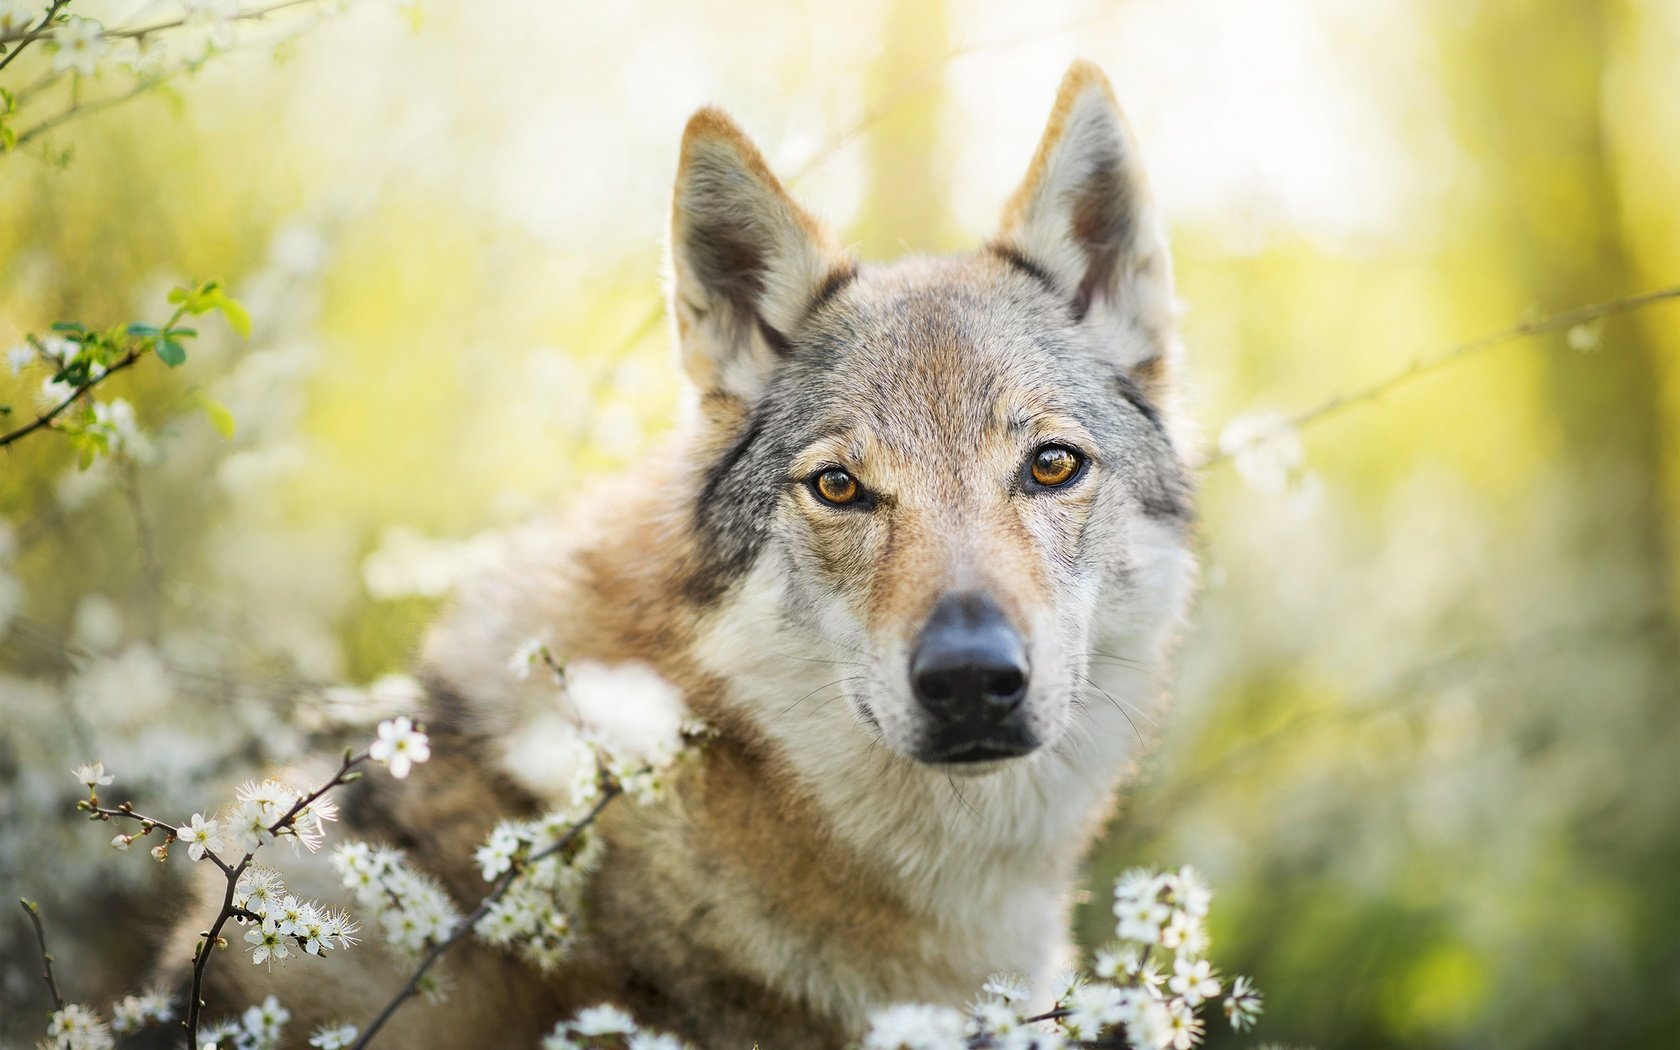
<point>747,262</point>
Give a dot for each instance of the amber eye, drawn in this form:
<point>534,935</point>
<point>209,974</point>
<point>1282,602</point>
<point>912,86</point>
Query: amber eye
<point>837,487</point>
<point>1055,465</point>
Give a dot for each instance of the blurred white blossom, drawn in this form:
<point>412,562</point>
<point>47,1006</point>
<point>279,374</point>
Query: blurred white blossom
<point>1265,448</point>
<point>81,43</point>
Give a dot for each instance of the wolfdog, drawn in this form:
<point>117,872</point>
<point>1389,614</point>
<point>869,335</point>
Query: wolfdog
<point>922,536</point>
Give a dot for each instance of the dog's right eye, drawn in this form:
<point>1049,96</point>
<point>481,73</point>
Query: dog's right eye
<point>836,487</point>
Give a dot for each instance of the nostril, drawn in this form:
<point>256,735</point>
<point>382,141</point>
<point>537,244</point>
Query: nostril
<point>935,686</point>
<point>1004,684</point>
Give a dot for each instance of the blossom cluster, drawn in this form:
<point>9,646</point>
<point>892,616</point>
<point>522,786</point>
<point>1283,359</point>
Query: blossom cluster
<point>279,920</point>
<point>533,915</point>
<point>260,1027</point>
<point>412,908</point>
<point>1145,989</point>
<point>77,1027</point>
<point>606,1026</point>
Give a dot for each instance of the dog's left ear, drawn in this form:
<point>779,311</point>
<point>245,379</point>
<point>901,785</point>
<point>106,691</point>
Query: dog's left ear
<point>1084,222</point>
<point>747,262</point>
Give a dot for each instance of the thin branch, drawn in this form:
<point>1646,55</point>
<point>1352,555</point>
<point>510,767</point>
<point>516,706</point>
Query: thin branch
<point>137,32</point>
<point>412,986</point>
<point>28,36</point>
<point>1427,366</point>
<point>78,108</point>
<point>46,418</point>
<point>33,910</point>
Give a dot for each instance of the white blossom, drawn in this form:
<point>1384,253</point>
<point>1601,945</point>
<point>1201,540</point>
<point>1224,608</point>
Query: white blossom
<point>604,1019</point>
<point>77,1027</point>
<point>334,1037</point>
<point>94,776</point>
<point>81,43</point>
<point>1010,987</point>
<point>199,835</point>
<point>262,1024</point>
<point>913,1026</point>
<point>268,943</point>
<point>496,855</point>
<point>136,1011</point>
<point>1193,980</point>
<point>1265,448</point>
<point>19,15</point>
<point>18,357</point>
<point>524,657</point>
<point>1243,1005</point>
<point>399,746</point>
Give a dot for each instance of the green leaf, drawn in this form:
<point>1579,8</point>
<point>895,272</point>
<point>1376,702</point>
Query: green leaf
<point>179,295</point>
<point>70,326</point>
<point>138,329</point>
<point>234,312</point>
<point>218,415</point>
<point>170,352</point>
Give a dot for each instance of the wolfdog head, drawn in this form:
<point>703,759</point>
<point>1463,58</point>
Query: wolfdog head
<point>951,479</point>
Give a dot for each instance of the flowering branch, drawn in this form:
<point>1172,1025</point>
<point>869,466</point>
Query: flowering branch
<point>1568,319</point>
<point>25,38</point>
<point>201,954</point>
<point>252,896</point>
<point>88,358</point>
<point>33,910</point>
<point>411,987</point>
<point>140,32</point>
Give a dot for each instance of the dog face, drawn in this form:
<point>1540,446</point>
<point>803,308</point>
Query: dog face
<point>954,473</point>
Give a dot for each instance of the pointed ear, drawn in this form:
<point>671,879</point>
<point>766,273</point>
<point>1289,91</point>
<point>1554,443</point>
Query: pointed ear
<point>747,262</point>
<point>1083,220</point>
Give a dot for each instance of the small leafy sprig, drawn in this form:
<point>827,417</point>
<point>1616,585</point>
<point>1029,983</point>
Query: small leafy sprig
<point>83,357</point>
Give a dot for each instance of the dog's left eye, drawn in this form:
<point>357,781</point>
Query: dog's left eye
<point>836,487</point>
<point>1053,466</point>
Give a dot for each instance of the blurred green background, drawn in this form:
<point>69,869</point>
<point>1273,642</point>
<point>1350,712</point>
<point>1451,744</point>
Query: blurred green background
<point>1425,740</point>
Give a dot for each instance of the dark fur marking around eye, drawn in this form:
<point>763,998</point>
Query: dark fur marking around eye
<point>728,521</point>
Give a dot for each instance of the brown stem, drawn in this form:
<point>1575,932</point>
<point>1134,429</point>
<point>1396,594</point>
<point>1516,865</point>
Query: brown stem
<point>46,418</point>
<point>33,910</point>
<point>27,37</point>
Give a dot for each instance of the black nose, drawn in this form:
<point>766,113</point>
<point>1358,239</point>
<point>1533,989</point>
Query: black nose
<point>970,665</point>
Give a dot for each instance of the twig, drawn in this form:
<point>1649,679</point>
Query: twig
<point>412,986</point>
<point>33,910</point>
<point>1426,366</point>
<point>46,418</point>
<point>78,108</point>
<point>25,38</point>
<point>138,32</point>
<point>201,955</point>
